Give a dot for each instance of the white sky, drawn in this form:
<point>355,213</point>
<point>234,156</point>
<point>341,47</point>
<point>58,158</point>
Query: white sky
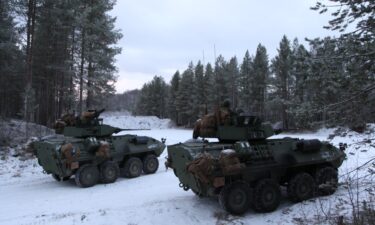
<point>162,36</point>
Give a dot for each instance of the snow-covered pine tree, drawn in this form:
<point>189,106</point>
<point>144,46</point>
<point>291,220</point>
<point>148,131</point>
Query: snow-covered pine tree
<point>221,81</point>
<point>356,55</point>
<point>261,72</point>
<point>281,67</point>
<point>301,106</point>
<point>347,12</point>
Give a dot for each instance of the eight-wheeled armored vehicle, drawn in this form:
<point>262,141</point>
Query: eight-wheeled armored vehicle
<point>85,147</point>
<point>246,168</point>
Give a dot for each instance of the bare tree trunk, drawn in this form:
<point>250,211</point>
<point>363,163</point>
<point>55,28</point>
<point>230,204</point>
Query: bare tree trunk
<point>82,71</point>
<point>30,27</point>
<point>71,84</point>
<point>285,98</point>
<point>89,83</point>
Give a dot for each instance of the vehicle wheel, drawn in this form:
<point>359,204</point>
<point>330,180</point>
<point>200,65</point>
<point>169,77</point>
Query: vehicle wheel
<point>326,180</point>
<point>301,187</point>
<point>87,176</point>
<point>197,193</point>
<point>58,178</point>
<point>266,195</point>
<point>150,164</point>
<point>132,167</point>
<point>109,172</point>
<point>235,197</point>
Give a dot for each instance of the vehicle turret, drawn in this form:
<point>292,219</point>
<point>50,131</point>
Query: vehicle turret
<point>232,127</point>
<point>87,125</point>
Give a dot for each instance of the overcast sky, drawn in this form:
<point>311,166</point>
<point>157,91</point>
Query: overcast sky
<point>162,36</point>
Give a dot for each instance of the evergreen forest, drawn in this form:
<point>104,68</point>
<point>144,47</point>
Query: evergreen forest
<point>58,56</point>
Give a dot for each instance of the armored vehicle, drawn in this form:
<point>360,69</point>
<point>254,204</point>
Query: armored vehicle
<point>86,149</point>
<point>246,169</point>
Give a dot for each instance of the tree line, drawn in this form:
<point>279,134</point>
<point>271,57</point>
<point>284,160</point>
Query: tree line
<point>301,88</point>
<point>332,82</point>
<point>56,56</point>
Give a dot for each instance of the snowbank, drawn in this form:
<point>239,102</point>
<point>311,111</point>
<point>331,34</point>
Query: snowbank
<point>14,132</point>
<point>126,121</point>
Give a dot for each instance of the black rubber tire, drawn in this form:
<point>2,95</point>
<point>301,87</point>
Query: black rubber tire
<point>58,178</point>
<point>87,176</point>
<point>150,164</point>
<point>235,197</point>
<point>132,167</point>
<point>266,195</point>
<point>109,172</point>
<point>326,180</point>
<point>301,187</point>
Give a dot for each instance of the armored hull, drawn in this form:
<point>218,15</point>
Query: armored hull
<point>246,169</point>
<point>108,158</point>
<point>90,152</point>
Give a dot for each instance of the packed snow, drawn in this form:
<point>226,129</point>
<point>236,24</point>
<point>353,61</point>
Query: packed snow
<point>29,196</point>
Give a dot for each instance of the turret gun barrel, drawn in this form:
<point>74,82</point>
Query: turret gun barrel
<point>98,112</point>
<point>120,129</point>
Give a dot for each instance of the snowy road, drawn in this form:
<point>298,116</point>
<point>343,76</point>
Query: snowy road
<point>28,196</point>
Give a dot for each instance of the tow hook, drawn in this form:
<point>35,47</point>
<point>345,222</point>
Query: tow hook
<point>342,146</point>
<point>183,186</point>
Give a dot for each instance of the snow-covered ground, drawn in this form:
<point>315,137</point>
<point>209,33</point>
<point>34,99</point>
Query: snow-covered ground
<point>28,196</point>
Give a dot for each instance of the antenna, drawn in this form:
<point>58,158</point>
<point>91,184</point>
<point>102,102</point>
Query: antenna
<point>204,63</point>
<point>215,52</point>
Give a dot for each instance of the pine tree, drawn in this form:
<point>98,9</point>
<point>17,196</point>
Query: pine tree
<point>185,99</point>
<point>100,52</point>
<point>172,97</point>
<point>51,59</point>
<point>11,80</point>
<point>200,103</point>
<point>153,98</point>
<point>347,12</point>
<point>281,66</point>
<point>301,106</point>
<point>261,72</point>
<point>208,88</point>
<point>354,54</point>
<point>233,75</point>
<point>221,81</point>
<point>245,87</point>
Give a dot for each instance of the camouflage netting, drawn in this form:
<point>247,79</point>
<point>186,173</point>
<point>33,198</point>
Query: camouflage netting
<point>204,166</point>
<point>207,126</point>
<point>229,162</point>
<point>71,155</point>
